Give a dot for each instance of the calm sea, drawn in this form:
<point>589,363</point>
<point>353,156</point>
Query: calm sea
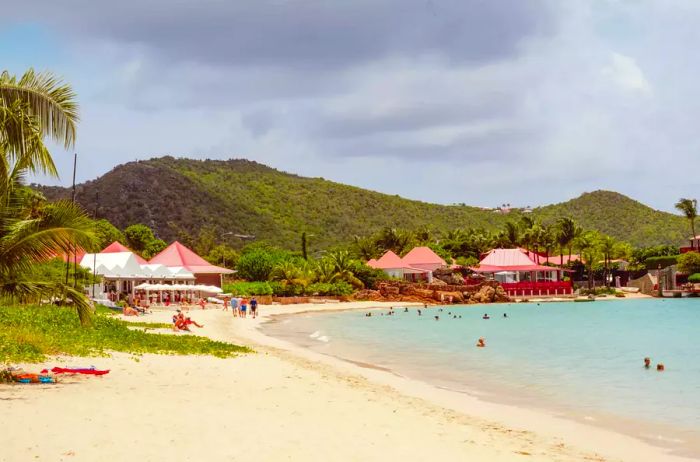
<point>581,360</point>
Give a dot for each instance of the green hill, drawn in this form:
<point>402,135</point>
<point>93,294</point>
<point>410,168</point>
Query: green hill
<point>175,196</point>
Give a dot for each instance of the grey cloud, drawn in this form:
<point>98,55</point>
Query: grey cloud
<point>306,34</point>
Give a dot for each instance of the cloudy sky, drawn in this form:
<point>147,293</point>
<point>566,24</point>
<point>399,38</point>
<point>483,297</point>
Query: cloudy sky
<point>479,101</point>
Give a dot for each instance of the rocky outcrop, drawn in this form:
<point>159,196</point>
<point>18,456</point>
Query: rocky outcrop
<point>483,292</point>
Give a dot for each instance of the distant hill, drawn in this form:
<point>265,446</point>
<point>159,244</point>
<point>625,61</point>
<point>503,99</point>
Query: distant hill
<point>175,196</point>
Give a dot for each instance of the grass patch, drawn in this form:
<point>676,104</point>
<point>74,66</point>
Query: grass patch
<point>31,333</point>
<point>150,325</point>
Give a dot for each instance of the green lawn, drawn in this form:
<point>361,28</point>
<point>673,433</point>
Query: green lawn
<point>31,333</point>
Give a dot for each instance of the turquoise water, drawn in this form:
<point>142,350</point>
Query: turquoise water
<point>582,360</point>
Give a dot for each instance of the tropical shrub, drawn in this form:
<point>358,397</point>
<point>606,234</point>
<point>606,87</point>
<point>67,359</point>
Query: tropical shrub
<point>689,263</point>
<point>337,288</point>
<point>695,277</point>
<point>367,275</point>
<point>665,261</point>
<point>258,260</point>
<point>247,289</point>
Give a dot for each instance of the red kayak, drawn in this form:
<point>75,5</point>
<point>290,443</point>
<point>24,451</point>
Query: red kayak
<point>87,371</point>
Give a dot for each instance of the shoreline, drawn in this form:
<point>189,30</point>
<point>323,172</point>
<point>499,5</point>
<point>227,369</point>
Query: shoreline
<point>306,406</point>
<point>618,444</point>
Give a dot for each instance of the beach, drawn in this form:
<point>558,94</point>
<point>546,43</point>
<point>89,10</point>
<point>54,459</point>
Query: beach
<point>281,403</point>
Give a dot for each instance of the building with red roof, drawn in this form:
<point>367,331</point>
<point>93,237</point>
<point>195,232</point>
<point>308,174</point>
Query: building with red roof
<point>177,255</point>
<point>117,247</point>
<point>416,265</point>
<point>520,274</point>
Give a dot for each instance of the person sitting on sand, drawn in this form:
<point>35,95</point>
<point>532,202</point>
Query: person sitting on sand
<point>647,362</point>
<point>129,311</point>
<point>481,343</point>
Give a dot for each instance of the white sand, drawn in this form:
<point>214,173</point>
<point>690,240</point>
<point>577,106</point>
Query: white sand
<point>282,403</point>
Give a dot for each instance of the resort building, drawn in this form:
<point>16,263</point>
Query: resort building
<point>121,273</point>
<point>521,275</point>
<point>178,257</point>
<point>417,265</point>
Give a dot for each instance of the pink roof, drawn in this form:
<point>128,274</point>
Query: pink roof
<point>117,246</point>
<point>506,257</point>
<point>422,256</point>
<point>371,262</point>
<point>388,261</point>
<point>177,254</point>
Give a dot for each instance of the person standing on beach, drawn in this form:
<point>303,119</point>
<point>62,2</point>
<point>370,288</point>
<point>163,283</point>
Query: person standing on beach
<point>244,307</point>
<point>234,307</point>
<point>254,307</point>
<point>225,303</point>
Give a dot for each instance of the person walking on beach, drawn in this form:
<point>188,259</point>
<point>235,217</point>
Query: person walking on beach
<point>234,307</point>
<point>254,307</point>
<point>244,307</point>
<point>225,303</point>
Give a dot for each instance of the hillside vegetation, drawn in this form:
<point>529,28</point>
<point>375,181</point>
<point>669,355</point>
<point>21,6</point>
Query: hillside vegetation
<point>178,197</point>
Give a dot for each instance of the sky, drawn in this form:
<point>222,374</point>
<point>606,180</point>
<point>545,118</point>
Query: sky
<point>481,102</point>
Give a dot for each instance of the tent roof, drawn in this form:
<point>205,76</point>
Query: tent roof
<point>116,247</point>
<point>177,254</point>
<point>422,256</point>
<point>119,264</point>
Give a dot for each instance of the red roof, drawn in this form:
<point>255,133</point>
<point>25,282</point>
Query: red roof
<point>177,254</point>
<point>422,256</point>
<point>388,261</point>
<point>509,260</point>
<point>116,247</point>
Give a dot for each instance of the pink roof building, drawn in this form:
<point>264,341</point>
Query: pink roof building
<point>177,255</point>
<point>116,247</point>
<point>398,267</point>
<point>423,258</point>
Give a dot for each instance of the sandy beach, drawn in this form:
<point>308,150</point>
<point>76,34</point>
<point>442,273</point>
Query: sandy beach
<point>280,403</point>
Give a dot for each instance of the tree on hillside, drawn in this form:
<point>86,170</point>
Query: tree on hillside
<point>33,107</point>
<point>398,241</point>
<point>689,208</point>
<point>365,248</point>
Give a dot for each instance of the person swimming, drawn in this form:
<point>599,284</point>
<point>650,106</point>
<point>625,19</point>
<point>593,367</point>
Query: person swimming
<point>419,313</point>
<point>405,310</point>
<point>505,315</point>
<point>437,318</point>
<point>647,362</point>
<point>660,367</point>
<point>481,343</point>
<point>485,316</point>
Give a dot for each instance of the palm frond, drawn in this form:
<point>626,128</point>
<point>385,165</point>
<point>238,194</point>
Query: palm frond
<point>37,291</point>
<point>49,99</point>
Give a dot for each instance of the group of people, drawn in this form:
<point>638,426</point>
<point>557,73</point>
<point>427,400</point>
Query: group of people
<point>647,364</point>
<point>239,306</point>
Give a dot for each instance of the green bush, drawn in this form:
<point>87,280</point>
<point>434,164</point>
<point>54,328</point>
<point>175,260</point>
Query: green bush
<point>258,260</point>
<point>689,263</point>
<point>665,261</point>
<point>368,275</point>
<point>695,277</point>
<point>336,288</point>
<point>247,289</point>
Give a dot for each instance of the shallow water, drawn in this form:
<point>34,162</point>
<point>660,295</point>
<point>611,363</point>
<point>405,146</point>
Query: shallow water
<point>581,360</point>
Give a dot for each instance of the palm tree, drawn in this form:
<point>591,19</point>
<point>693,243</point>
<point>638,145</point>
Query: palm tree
<point>512,234</point>
<point>365,247</point>
<point>608,247</point>
<point>567,233</point>
<point>689,208</point>
<point>33,107</point>
<point>343,265</point>
<point>588,246</point>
